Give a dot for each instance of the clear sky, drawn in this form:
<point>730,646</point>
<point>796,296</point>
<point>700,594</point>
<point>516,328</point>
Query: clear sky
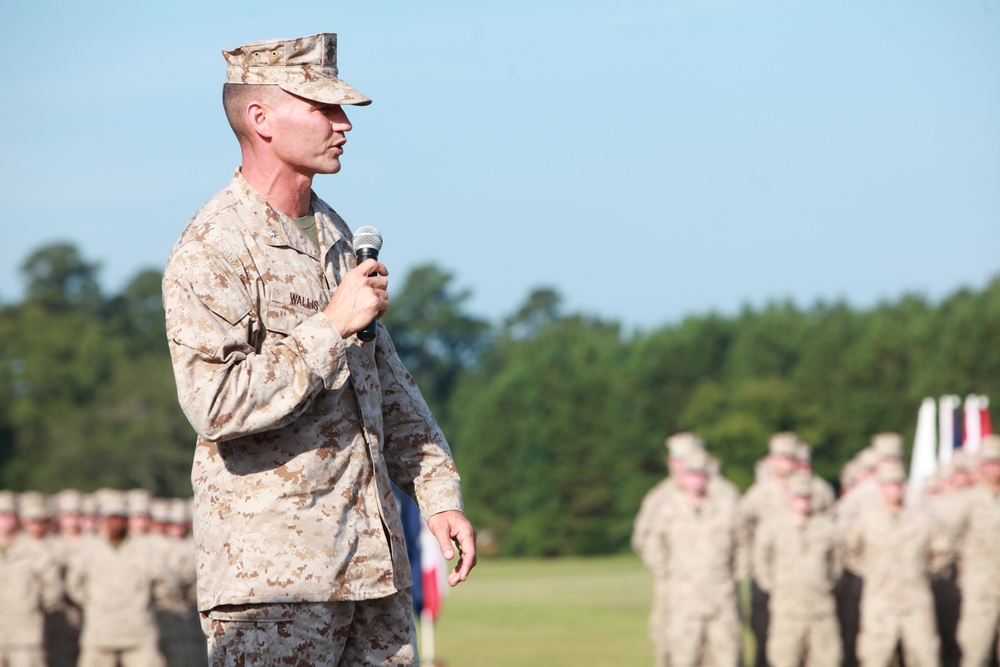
<point>648,159</point>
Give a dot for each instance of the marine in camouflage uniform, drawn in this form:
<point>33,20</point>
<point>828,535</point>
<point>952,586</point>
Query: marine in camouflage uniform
<point>864,495</point>
<point>797,560</point>
<point>979,568</point>
<point>63,624</point>
<point>301,424</point>
<point>116,581</point>
<point>764,500</point>
<point>896,552</point>
<point>696,556</point>
<point>30,588</point>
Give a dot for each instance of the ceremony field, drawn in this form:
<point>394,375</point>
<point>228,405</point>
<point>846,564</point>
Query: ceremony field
<point>548,613</point>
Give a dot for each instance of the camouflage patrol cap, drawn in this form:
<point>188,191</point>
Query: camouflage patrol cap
<point>159,510</point>
<point>178,512</point>
<point>963,460</point>
<point>697,460</point>
<point>139,502</point>
<point>69,501</point>
<point>888,445</point>
<point>867,459</point>
<point>800,484</point>
<point>891,472</point>
<point>306,66</point>
<point>989,448</point>
<point>783,444</point>
<point>33,506</point>
<point>803,452</point>
<point>8,502</point>
<point>680,444</point>
<point>111,502</point>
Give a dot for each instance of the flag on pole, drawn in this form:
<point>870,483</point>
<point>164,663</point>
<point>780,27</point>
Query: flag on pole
<point>973,423</point>
<point>948,438</point>
<point>985,423</point>
<point>432,577</point>
<point>922,461</point>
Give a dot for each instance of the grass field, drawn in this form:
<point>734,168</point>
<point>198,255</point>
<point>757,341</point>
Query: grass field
<point>549,613</point>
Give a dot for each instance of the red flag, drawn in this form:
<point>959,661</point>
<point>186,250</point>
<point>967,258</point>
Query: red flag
<point>985,424</point>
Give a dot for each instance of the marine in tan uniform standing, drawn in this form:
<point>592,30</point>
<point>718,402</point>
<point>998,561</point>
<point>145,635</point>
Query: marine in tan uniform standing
<point>894,549</point>
<point>979,574</point>
<point>113,579</point>
<point>863,496</point>
<point>698,557</point>
<point>62,625</point>
<point>797,560</point>
<point>302,425</point>
<point>765,499</point>
<point>30,587</point>
<point>654,512</point>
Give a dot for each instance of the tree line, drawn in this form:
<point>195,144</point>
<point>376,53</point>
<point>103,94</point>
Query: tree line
<point>556,419</point>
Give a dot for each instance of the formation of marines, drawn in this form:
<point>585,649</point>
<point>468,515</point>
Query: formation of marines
<point>94,580</point>
<point>882,573</point>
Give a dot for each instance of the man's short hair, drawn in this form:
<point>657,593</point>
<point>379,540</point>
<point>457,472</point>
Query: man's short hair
<point>236,96</point>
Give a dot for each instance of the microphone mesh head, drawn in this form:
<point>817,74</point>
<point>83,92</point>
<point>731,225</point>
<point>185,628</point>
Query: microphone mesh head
<point>367,237</point>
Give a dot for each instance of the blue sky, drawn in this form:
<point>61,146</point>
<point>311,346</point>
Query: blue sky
<point>646,159</point>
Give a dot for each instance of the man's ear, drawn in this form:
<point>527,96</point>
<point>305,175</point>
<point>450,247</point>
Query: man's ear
<point>259,119</point>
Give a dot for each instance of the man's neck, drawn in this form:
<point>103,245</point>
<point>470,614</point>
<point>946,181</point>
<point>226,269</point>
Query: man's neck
<point>286,191</point>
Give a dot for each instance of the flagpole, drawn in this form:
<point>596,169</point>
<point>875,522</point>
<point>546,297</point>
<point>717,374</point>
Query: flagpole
<point>427,637</point>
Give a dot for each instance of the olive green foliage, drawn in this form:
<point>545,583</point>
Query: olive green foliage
<point>556,419</point>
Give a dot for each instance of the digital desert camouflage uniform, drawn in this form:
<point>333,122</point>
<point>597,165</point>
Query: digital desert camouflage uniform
<point>763,501</point>
<point>300,430</point>
<point>696,555</point>
<point>655,512</point>
<point>896,554</point>
<point>978,544</point>
<point>798,565</point>
<point>117,587</point>
<point>29,587</point>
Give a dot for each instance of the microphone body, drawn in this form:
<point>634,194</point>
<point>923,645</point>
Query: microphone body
<point>367,244</point>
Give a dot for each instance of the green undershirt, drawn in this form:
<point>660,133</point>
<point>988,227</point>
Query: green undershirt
<point>308,226</point>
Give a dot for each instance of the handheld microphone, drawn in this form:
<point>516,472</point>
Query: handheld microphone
<point>367,243</point>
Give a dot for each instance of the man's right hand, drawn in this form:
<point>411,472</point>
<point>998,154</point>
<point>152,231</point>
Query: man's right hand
<point>359,298</point>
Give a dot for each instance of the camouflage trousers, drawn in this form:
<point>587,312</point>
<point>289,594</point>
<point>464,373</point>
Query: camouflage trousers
<point>22,656</point>
<point>313,634</point>
<point>883,630</point>
<point>978,628</point>
<point>795,639</point>
<point>695,640</point>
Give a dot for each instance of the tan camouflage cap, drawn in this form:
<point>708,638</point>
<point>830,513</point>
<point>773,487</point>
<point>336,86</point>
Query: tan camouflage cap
<point>140,502</point>
<point>8,502</point>
<point>69,501</point>
<point>783,444</point>
<point>178,512</point>
<point>306,66</point>
<point>989,448</point>
<point>159,510</point>
<point>679,444</point>
<point>696,460</point>
<point>111,502</point>
<point>888,445</point>
<point>803,452</point>
<point>891,472</point>
<point>33,506</point>
<point>867,459</point>
<point>963,460</point>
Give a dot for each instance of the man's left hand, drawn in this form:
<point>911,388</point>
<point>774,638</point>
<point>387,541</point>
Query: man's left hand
<point>452,528</point>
